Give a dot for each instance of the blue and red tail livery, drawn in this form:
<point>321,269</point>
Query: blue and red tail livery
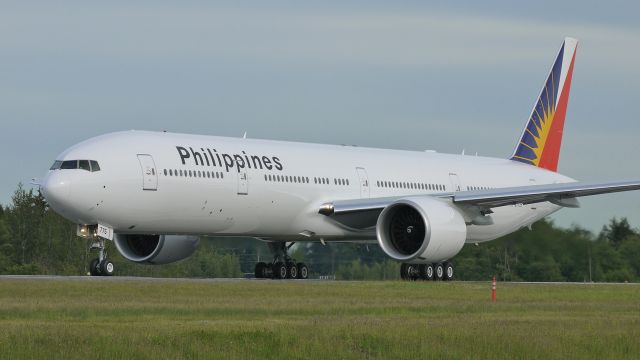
<point>541,138</point>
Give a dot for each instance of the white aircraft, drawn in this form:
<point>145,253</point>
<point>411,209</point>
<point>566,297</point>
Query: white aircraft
<point>153,193</point>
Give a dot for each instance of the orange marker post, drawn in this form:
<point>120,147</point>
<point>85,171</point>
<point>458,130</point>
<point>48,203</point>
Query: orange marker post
<point>493,290</point>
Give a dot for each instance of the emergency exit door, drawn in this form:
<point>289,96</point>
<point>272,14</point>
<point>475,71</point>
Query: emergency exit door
<point>243,183</point>
<point>455,182</point>
<point>364,182</point>
<point>149,173</point>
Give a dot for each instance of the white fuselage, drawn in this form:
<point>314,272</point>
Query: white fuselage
<point>148,185</point>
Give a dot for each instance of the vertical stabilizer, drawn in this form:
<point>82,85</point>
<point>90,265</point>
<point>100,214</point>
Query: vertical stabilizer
<point>541,138</point>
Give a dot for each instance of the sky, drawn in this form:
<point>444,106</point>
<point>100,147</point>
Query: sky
<point>410,75</point>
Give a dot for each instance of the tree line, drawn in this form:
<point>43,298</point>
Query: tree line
<point>36,240</point>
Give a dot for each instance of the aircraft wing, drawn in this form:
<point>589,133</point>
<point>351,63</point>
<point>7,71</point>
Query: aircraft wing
<point>564,194</point>
<point>555,193</point>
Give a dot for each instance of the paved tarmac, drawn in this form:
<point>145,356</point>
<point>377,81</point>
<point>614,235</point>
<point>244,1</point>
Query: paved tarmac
<point>227,280</point>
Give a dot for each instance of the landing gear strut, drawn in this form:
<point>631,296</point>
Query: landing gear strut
<point>100,266</point>
<point>439,271</point>
<point>282,266</point>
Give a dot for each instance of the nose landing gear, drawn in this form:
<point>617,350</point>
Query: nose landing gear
<point>101,266</point>
<point>282,266</point>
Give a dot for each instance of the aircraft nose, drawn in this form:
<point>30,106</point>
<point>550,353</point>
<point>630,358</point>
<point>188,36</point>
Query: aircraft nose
<point>56,190</point>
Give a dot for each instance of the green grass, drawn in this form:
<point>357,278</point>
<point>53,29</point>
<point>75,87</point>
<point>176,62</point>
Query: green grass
<point>269,319</point>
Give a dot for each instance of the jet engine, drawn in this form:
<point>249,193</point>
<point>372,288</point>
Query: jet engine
<point>421,230</point>
<point>155,249</point>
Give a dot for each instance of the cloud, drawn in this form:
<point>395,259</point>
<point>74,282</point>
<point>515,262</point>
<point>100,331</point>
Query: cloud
<point>304,37</point>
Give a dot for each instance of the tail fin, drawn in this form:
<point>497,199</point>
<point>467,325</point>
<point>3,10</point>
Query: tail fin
<point>541,138</point>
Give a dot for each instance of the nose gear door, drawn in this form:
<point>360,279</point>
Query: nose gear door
<point>149,173</point>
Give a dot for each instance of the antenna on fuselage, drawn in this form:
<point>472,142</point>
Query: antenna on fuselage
<point>245,135</point>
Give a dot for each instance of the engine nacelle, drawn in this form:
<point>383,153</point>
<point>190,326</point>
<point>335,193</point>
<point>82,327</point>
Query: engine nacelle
<point>155,249</point>
<point>421,230</point>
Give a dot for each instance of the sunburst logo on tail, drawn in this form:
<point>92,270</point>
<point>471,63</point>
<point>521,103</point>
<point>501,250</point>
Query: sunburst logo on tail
<point>541,138</point>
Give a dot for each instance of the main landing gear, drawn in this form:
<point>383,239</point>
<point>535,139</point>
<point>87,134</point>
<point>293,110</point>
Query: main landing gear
<point>438,271</point>
<point>282,266</point>
<point>100,266</point>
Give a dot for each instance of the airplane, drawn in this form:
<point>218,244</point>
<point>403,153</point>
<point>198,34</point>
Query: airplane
<point>154,193</point>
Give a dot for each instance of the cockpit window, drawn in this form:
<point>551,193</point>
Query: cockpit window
<point>69,164</point>
<point>94,166</point>
<point>88,165</point>
<point>84,165</point>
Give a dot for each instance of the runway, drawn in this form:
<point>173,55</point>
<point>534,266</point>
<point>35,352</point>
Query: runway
<point>127,279</point>
<point>231,280</point>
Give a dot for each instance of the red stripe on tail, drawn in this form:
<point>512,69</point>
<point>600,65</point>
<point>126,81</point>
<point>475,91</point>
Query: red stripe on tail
<point>551,152</point>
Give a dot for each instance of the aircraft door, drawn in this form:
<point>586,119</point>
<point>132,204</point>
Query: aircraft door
<point>243,183</point>
<point>149,173</point>
<point>364,182</point>
<point>455,182</point>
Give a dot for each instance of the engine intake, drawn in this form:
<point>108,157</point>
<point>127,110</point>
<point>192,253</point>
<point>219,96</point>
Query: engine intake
<point>421,230</point>
<point>155,249</point>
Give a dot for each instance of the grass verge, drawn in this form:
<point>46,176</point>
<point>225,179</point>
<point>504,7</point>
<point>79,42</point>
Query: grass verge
<point>346,320</point>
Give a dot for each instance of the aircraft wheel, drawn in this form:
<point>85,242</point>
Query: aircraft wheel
<point>426,272</point>
<point>409,272</point>
<point>403,271</point>
<point>439,271</point>
<point>94,268</point>
<point>292,271</point>
<point>259,270</point>
<point>303,271</point>
<point>107,267</point>
<point>279,270</point>
<point>448,271</point>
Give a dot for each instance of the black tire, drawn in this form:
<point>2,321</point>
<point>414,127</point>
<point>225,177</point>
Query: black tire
<point>448,271</point>
<point>303,271</point>
<point>409,272</point>
<point>292,271</point>
<point>94,268</point>
<point>414,272</point>
<point>279,270</point>
<point>106,267</point>
<point>403,272</point>
<point>259,270</point>
<point>439,271</point>
<point>268,271</point>
<point>426,272</point>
